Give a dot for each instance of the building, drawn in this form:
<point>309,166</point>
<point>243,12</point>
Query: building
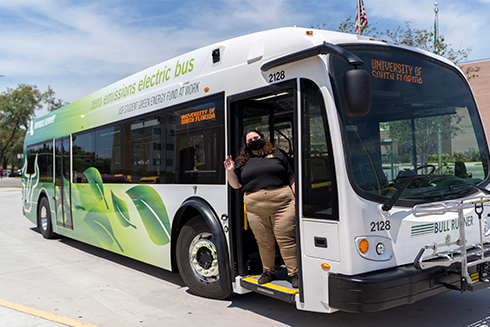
<point>480,84</point>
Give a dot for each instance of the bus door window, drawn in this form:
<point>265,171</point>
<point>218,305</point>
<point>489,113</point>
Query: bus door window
<point>319,192</point>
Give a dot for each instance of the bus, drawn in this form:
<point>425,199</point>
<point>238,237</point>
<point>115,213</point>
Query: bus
<point>387,144</point>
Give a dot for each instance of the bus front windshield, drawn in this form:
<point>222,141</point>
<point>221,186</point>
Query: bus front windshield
<point>422,134</point>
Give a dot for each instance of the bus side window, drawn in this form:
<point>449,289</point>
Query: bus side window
<point>44,153</point>
<point>83,149</point>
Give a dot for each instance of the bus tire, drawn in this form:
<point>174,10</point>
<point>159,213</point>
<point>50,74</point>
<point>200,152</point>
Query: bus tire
<point>44,219</point>
<point>197,260</point>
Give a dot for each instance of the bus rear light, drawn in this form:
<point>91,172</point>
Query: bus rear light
<point>376,248</point>
<point>309,33</point>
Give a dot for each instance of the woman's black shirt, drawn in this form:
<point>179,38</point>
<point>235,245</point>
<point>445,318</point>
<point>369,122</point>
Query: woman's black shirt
<point>262,173</point>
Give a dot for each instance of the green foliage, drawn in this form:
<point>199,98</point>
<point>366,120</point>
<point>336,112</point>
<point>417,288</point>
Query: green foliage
<point>424,39</point>
<point>17,109</point>
<point>349,26</point>
<point>51,102</point>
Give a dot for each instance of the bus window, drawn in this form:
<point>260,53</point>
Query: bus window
<point>198,148</point>
<point>144,150</point>
<point>108,154</point>
<point>83,149</point>
<point>44,153</point>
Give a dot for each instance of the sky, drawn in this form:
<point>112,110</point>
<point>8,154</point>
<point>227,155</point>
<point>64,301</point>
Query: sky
<point>79,47</point>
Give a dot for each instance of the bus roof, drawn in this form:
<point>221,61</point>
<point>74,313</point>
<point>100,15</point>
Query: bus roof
<point>183,78</point>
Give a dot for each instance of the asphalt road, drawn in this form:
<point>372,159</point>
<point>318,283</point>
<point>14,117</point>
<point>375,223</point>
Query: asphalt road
<point>89,285</point>
<point>10,181</point>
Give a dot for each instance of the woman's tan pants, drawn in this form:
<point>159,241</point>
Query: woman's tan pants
<point>271,216</point>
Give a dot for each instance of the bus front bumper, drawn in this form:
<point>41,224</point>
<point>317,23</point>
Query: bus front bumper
<point>385,289</point>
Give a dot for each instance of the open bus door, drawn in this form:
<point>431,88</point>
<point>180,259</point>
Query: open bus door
<point>272,111</point>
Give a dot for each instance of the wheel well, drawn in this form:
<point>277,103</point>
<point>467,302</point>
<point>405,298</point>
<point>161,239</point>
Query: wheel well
<point>198,206</point>
<point>184,214</point>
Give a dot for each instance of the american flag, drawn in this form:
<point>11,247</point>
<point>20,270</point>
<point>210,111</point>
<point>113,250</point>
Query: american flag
<point>360,23</point>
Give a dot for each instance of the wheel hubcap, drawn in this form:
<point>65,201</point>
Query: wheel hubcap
<point>204,257</point>
<point>44,218</point>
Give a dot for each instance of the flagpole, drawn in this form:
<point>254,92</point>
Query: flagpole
<point>358,21</point>
<point>436,27</point>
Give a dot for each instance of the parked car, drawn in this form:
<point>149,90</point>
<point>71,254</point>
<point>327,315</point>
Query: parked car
<point>18,172</point>
<point>7,172</point>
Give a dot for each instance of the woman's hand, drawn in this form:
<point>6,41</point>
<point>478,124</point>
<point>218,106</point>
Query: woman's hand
<point>229,164</point>
<point>230,169</point>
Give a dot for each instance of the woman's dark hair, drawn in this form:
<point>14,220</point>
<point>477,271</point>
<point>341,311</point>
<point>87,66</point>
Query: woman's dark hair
<point>245,153</point>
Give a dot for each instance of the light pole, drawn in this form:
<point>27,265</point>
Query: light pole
<point>436,26</point>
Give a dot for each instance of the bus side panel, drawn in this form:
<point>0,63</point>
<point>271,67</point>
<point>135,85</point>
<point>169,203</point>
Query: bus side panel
<point>132,220</point>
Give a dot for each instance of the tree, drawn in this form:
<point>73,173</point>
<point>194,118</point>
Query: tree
<point>51,102</point>
<point>349,26</point>
<point>417,38</point>
<point>17,108</point>
<point>424,39</point>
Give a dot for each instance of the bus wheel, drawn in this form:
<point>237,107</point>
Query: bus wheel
<point>44,219</point>
<point>197,260</point>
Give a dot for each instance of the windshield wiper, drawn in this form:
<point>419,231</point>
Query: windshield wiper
<point>391,202</point>
<point>483,190</point>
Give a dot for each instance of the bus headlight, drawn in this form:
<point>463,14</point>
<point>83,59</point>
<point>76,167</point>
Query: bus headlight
<point>374,248</point>
<point>486,226</point>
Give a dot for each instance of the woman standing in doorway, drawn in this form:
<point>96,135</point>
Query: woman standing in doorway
<point>268,182</point>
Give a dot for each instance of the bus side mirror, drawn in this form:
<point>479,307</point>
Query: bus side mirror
<point>355,90</point>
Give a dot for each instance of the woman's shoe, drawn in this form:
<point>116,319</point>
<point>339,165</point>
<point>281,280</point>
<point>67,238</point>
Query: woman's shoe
<point>266,277</point>
<point>295,280</point>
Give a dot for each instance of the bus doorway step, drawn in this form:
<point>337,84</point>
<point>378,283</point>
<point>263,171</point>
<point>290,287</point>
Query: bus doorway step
<point>279,288</point>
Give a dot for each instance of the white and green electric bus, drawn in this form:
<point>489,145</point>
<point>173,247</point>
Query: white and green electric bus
<point>387,144</point>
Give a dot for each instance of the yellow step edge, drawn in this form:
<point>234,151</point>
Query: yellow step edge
<point>253,280</point>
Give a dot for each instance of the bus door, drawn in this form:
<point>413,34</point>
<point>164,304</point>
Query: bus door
<point>272,112</point>
<point>62,182</point>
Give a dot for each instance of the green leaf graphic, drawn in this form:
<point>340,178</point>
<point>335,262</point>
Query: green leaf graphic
<point>96,184</point>
<point>101,227</point>
<point>75,197</point>
<point>122,212</point>
<point>153,213</point>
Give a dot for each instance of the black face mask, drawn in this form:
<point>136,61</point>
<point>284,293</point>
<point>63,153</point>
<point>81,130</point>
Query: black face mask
<point>255,145</point>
